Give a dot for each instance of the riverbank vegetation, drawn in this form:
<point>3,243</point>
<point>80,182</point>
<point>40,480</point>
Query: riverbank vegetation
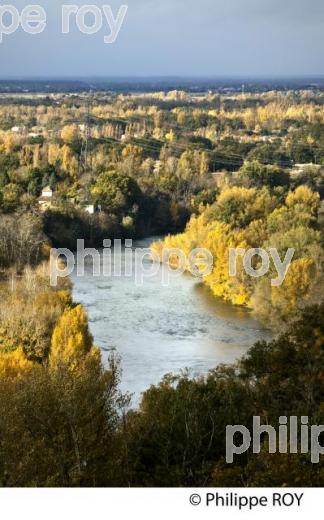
<point>247,218</point>
<point>63,421</point>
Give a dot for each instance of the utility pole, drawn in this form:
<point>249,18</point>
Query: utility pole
<point>85,141</point>
<point>84,163</point>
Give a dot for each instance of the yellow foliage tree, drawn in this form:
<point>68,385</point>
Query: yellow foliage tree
<point>69,161</point>
<point>218,238</point>
<point>196,232</point>
<point>14,364</point>
<point>54,153</point>
<point>9,141</point>
<point>304,200</point>
<point>71,340</point>
<point>70,133</point>
<point>219,242</point>
<point>296,286</point>
<point>170,136</point>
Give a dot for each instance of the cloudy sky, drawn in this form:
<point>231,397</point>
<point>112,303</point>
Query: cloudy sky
<point>175,38</point>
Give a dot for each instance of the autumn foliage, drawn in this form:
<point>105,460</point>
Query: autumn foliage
<point>256,218</point>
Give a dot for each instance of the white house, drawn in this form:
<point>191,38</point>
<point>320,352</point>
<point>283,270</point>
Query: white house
<point>45,201</point>
<point>47,192</point>
<point>90,208</point>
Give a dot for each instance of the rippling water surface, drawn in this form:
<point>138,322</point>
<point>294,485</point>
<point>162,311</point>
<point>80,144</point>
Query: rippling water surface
<point>158,329</point>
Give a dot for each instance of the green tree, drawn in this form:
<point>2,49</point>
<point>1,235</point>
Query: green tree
<point>11,194</point>
<point>60,429</point>
<point>255,174</point>
<point>116,193</point>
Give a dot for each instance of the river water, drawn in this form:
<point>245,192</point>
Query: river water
<point>158,329</point>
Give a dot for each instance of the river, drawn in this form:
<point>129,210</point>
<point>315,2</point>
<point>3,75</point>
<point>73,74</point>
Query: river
<point>160,329</point>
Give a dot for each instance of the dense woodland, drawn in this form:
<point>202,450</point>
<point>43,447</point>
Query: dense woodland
<point>260,218</point>
<point>64,422</point>
<point>149,158</point>
<point>212,170</point>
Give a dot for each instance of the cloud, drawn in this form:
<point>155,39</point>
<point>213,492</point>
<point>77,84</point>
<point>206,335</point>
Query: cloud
<point>182,37</point>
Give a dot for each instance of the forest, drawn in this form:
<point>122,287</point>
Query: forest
<point>213,170</point>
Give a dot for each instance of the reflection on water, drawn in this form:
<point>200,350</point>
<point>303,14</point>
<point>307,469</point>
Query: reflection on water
<point>158,330</point>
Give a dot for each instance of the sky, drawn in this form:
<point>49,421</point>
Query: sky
<point>211,38</point>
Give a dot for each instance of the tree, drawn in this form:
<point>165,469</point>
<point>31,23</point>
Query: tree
<point>4,179</point>
<point>116,193</point>
<point>70,133</point>
<point>14,364</point>
<point>21,241</point>
<point>9,163</point>
<point>239,206</point>
<point>255,174</point>
<point>178,431</point>
<point>35,176</point>
<point>267,153</point>
<point>71,340</point>
<point>59,428</point>
<point>219,241</point>
<point>10,197</point>
<point>304,200</point>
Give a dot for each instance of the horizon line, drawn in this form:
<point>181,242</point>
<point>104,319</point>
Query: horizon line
<point>164,77</point>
